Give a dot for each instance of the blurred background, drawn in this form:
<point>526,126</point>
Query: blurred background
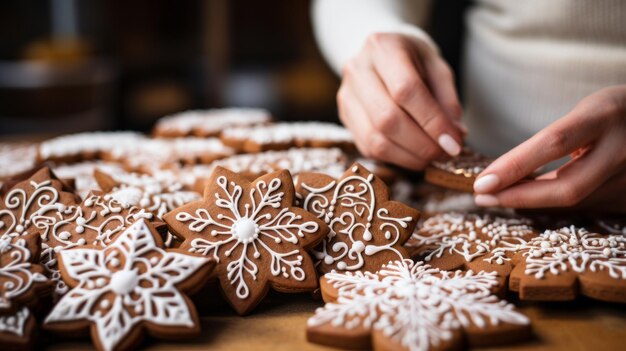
<point>73,65</point>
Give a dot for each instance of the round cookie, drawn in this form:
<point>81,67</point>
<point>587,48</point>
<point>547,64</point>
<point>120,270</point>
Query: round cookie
<point>367,230</point>
<point>131,286</point>
<point>412,306</point>
<point>458,173</point>
<point>253,231</point>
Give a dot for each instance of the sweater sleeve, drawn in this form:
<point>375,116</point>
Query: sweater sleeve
<point>342,26</point>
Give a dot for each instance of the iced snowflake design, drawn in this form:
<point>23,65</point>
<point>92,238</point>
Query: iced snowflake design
<point>19,276</point>
<point>132,280</point>
<point>95,222</point>
<point>39,196</point>
<point>248,228</point>
<point>413,304</point>
<point>469,236</point>
<point>574,249</point>
<point>366,228</point>
<point>15,323</point>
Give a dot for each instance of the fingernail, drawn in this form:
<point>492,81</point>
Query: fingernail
<point>486,184</point>
<point>449,145</point>
<point>486,200</point>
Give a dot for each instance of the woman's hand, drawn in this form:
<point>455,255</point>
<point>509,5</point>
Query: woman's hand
<point>398,99</point>
<point>593,134</point>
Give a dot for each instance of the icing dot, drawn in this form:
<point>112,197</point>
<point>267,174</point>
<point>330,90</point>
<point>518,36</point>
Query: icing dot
<point>154,260</point>
<point>342,265</point>
<point>114,262</point>
<point>100,282</point>
<point>123,282</point>
<point>80,221</point>
<point>358,246</point>
<point>256,254</point>
<point>64,235</point>
<point>245,230</point>
<point>606,252</point>
<point>80,229</point>
<point>328,260</point>
<point>81,241</point>
<point>105,304</point>
<point>19,228</point>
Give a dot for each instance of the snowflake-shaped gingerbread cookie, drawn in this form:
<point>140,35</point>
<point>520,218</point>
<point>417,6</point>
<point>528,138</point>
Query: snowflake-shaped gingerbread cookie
<point>96,221</point>
<point>367,230</point>
<point>252,229</point>
<point>41,195</point>
<point>560,264</point>
<point>466,240</point>
<point>131,284</point>
<point>22,279</point>
<point>413,306</point>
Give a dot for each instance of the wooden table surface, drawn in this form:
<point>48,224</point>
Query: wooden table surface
<point>279,324</point>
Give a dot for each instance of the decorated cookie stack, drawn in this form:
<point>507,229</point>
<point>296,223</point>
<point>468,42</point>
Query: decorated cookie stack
<point>121,234</point>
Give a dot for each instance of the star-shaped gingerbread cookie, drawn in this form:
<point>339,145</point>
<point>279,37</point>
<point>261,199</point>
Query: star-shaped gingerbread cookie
<point>96,221</point>
<point>129,286</point>
<point>254,232</point>
<point>367,230</point>
<point>413,306</point>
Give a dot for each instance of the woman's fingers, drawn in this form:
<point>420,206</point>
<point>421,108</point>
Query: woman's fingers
<point>370,142</point>
<point>387,117</point>
<point>560,139</point>
<point>568,187</point>
<point>440,79</point>
<point>399,70</point>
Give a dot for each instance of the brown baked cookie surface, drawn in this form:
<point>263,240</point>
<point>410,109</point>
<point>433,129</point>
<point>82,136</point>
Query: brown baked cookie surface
<point>413,306</point>
<point>96,222</point>
<point>17,330</point>
<point>560,264</point>
<point>367,230</point>
<point>458,173</point>
<point>129,286</point>
<point>254,232</point>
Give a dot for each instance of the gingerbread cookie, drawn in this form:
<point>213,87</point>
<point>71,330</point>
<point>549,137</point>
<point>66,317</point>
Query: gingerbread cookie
<point>96,221</point>
<point>330,161</point>
<point>367,230</point>
<point>156,195</point>
<point>412,306</point>
<point>560,264</point>
<point>458,173</point>
<point>82,174</point>
<point>254,233</point>
<point>22,279</point>
<point>17,330</point>
<point>85,146</point>
<point>208,123</point>
<point>16,158</point>
<point>41,195</point>
<point>281,136</point>
<point>129,286</point>
<point>470,241</point>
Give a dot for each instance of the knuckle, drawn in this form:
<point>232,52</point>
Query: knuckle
<point>403,90</point>
<point>379,145</point>
<point>515,168</point>
<point>387,120</point>
<point>556,141</point>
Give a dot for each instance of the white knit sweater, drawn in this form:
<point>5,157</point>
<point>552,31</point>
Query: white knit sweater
<point>526,64</point>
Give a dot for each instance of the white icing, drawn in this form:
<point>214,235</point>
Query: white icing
<point>469,236</point>
<point>212,121</point>
<point>353,235</point>
<point>93,142</point>
<point>113,218</point>
<point>302,132</point>
<point>415,305</point>
<point>127,303</point>
<point>15,323</point>
<point>16,158</point>
<point>252,231</point>
<point>575,249</point>
<point>16,274</point>
<point>82,173</point>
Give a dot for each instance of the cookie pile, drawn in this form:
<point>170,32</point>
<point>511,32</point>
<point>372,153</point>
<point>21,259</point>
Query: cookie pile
<point>118,233</point>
